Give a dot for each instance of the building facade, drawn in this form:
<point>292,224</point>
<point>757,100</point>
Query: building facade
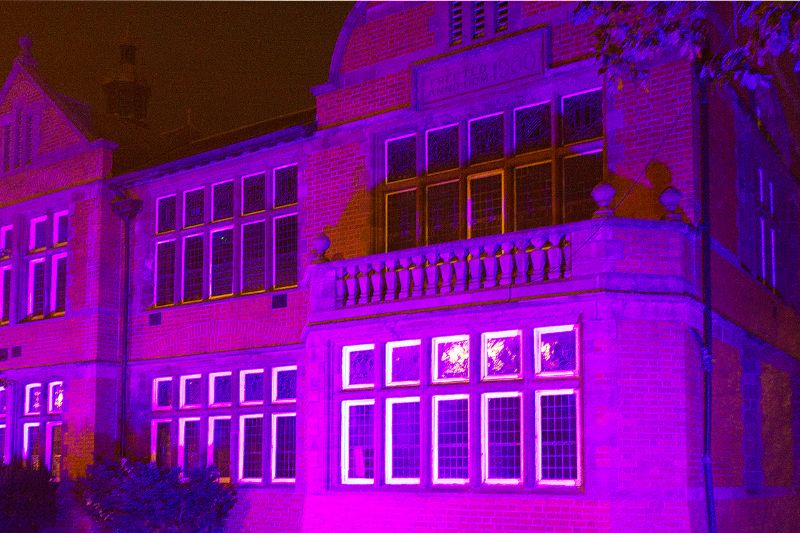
<point>463,295</point>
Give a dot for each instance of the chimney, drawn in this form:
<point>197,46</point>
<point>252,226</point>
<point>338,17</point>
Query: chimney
<point>126,94</point>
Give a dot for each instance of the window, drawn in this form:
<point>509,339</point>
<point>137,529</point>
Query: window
<point>582,116</point>
<point>33,399</point>
<point>533,195</point>
<point>190,391</point>
<point>401,220</point>
<point>3,400</point>
<point>556,350</point>
<point>221,277</point>
<point>253,194</point>
<point>401,158</point>
<point>32,445</point>
<point>219,389</point>
<point>485,205</point>
<point>532,129</point>
<point>284,187</point>
<point>36,288</point>
<point>358,442</point>
<point>767,225</point>
<point>193,208</point>
<point>450,359</point>
<point>284,444</point>
<point>18,139</point>
<point>188,444</point>
<point>441,148</point>
<point>2,444</point>
<point>402,440</point>
<point>54,447</point>
<point>251,387</point>
<point>451,439</point>
<point>193,268</point>
<point>222,199</point>
<point>501,355</point>
<point>165,213</point>
<point>160,443</point>
<point>358,367</point>
<point>456,23</point>
<point>253,257</point>
<point>486,140</point>
<point>162,393</point>
<point>58,284</point>
<point>6,241</point>
<point>403,360</point>
<point>501,438</point>
<point>478,19</point>
<point>501,16</point>
<point>250,448</point>
<point>60,228</point>
<point>55,397</point>
<point>284,384</point>
<point>165,273</point>
<point>558,458</point>
<point>219,445</point>
<point>285,251</point>
<point>38,237</point>
<point>5,294</point>
<point>581,174</point>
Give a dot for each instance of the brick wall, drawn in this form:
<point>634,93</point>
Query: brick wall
<point>364,100</point>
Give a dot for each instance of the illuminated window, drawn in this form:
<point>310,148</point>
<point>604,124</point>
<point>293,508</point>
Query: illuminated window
<point>285,251</point>
<point>219,445</point>
<point>358,442</point>
<point>54,450</point>
<point>402,459</point>
<point>253,197</point>
<point>32,445</point>
<point>451,439</point>
<point>222,200</point>
<point>358,367</point>
<point>165,212</point>
<point>284,384</point>
<point>251,387</point>
<point>220,392</point>
<point>284,447</point>
<point>221,278</point>
<point>192,268</point>
<point>501,355</point>
<point>450,359</point>
<point>250,448</point>
<point>58,284</point>
<point>254,255</point>
<point>36,288</point>
<point>556,351</point>
<point>501,437</point>
<point>284,186</point>
<point>33,399</point>
<point>190,391</point>
<point>401,158</point>
<point>165,273</point>
<point>160,443</point>
<point>193,208</point>
<point>558,458</point>
<point>38,237</point>
<point>60,228</point>
<point>188,444</point>
<point>55,397</point>
<point>403,360</point>
<point>162,393</point>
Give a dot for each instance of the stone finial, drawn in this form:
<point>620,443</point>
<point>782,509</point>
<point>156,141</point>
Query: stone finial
<point>602,194</point>
<point>319,246</point>
<point>25,55</point>
<point>670,199</point>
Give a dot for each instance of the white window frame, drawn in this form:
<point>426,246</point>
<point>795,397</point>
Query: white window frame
<point>346,351</point>
<point>48,447</point>
<point>158,210</point>
<point>242,191</point>
<point>458,135</point>
<point>155,272</point>
<point>469,136</point>
<point>275,371</point>
<point>387,459</point>
<point>184,210</point>
<point>31,268</point>
<point>482,175</point>
<point>182,439</point>
<point>213,197</point>
<point>485,438</point>
<point>578,437</point>
<point>28,388</point>
<point>154,403</point>
<point>3,289</point>
<point>274,251</point>
<point>274,188</point>
<point>32,236</point>
<point>514,121</point>
<point>240,466</point>
<point>386,157</point>
<point>211,399</point>
<point>435,358</point>
<point>211,261</point>
<point>345,444</point>
<point>54,260</point>
<point>56,235</point>
<point>50,397</point>
<point>274,448</point>
<point>183,265</point>
<point>154,436</point>
<point>182,392</point>
<point>212,421</point>
<point>537,347</point>
<point>485,337</point>
<point>242,380</point>
<point>435,440</point>
<point>26,427</point>
<point>390,346</point>
<point>241,255</point>
<point>4,231</point>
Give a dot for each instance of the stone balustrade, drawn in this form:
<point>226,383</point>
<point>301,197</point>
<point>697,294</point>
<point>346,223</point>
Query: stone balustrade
<point>523,257</point>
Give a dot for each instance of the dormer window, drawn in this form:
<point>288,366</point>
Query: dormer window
<point>17,138</point>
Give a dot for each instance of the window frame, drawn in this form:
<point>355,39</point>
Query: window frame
<point>3,311</point>
<point>57,216</point>
<point>344,458</point>
<point>389,367</point>
<point>175,258</point>
<point>459,163</point>
<point>154,423</point>
<point>214,186</point>
<point>274,244</point>
<point>275,187</point>
<point>48,448</point>
<point>154,400</point>
<point>212,376</point>
<point>578,482</point>
<point>184,210</point>
<point>346,351</point>
<point>212,420</point>
<point>537,343</point>
<point>50,403</point>
<point>240,459</point>
<point>159,231</point>
<point>210,287</point>
<point>274,394</point>
<point>27,411</point>
<point>435,400</point>
<point>31,276</point>
<point>182,392</point>
<point>274,447</point>
<point>485,398</point>
<point>265,272</point>
<point>26,439</point>
<point>470,162</point>
<point>242,389</point>
<point>242,194</point>
<point>503,212</point>
<point>32,248</point>
<point>4,231</point>
<point>183,266</point>
<point>488,335</point>
<point>54,261</point>
<point>389,479</point>
<point>435,341</point>
<point>386,157</point>
<point>561,98</point>
<point>182,442</point>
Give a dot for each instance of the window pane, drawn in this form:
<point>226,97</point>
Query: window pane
<point>57,398</point>
<point>254,387</point>
<point>583,117</point>
<point>222,389</point>
<point>361,367</point>
<point>286,251</point>
<point>405,458</point>
<point>34,460</point>
<point>253,257</point>
<point>191,445</point>
<point>193,210</point>
<point>451,358</point>
<point>191,391</point>
<point>221,454</point>
<point>39,235</point>
<point>443,213</point>
<point>164,394</point>
<point>361,448</point>
<point>401,220</point>
<point>452,435</point>
<point>557,351</point>
<point>6,241</point>
<point>165,273</point>
<point>404,361</point>
<point>163,459</point>
<point>193,268</point>
<point>581,174</point>
<point>285,185</point>
<point>286,385</point>
<point>401,158</point>
<point>285,444</point>
<point>502,355</point>
<point>443,149</point>
<point>486,139</point>
<point>34,400</point>
<point>253,194</point>
<point>62,229</point>
<point>3,402</point>
<point>61,285</point>
<point>533,192</point>
<point>37,290</point>
<point>166,214</point>
<point>559,453</point>
<point>252,448</point>
<point>532,129</point>
<point>6,303</point>
<point>503,439</point>
<point>55,452</point>
<point>222,262</point>
<point>486,205</point>
<point>223,201</point>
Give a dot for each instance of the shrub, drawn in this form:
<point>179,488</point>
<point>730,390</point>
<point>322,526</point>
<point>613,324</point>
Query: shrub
<point>27,498</point>
<point>128,496</point>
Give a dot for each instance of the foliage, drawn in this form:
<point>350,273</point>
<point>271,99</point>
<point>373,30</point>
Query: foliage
<point>27,498</point>
<point>628,35</point>
<point>130,496</point>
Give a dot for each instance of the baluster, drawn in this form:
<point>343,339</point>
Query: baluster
<point>554,258</point>
<point>490,266</point>
<point>431,271</point>
<point>351,298</point>
<point>341,288</point>
<point>391,280</point>
<point>506,263</point>
<point>475,269</point>
<point>377,282</point>
<point>363,284</point>
<point>521,261</point>
<point>460,268</point>
<point>446,271</point>
<point>537,259</point>
<point>405,278</point>
<point>567,257</point>
<point>416,275</point>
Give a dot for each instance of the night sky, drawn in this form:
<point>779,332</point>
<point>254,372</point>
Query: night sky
<point>232,63</point>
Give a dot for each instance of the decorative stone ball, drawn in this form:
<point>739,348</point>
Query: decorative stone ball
<point>603,193</point>
<point>320,245</point>
<point>670,198</point>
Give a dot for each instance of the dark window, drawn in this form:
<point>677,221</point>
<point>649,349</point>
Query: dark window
<point>583,117</point>
<point>34,459</point>
<point>223,201</point>
<point>501,16</point>
<point>253,194</point>
<point>401,158</point>
<point>532,128</point>
<point>8,241</point>
<point>456,22</point>
<point>191,445</point>
<point>62,228</point>
<point>559,454</point>
<point>361,445</point>
<point>164,393</point>
<point>285,251</point>
<point>163,459</point>
<point>442,149</point>
<point>253,256</point>
<point>165,273</point>
<point>504,438</point>
<point>37,290</point>
<point>452,436</point>
<point>486,205</point>
<point>285,185</point>
<point>405,440</point>
<point>581,174</point>
<point>486,139</point>
<point>222,389</point>
<point>222,262</point>
<point>193,268</point>
<point>221,455</point>
<point>55,452</point>
<point>401,220</point>
<point>286,385</point>
<point>478,19</point>
<point>5,316</point>
<point>191,392</point>
<point>443,213</point>
<point>39,235</point>
<point>166,214</point>
<point>254,387</point>
<point>252,446</point>
<point>61,285</point>
<point>533,194</point>
<point>193,209</point>
<point>285,447</point>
